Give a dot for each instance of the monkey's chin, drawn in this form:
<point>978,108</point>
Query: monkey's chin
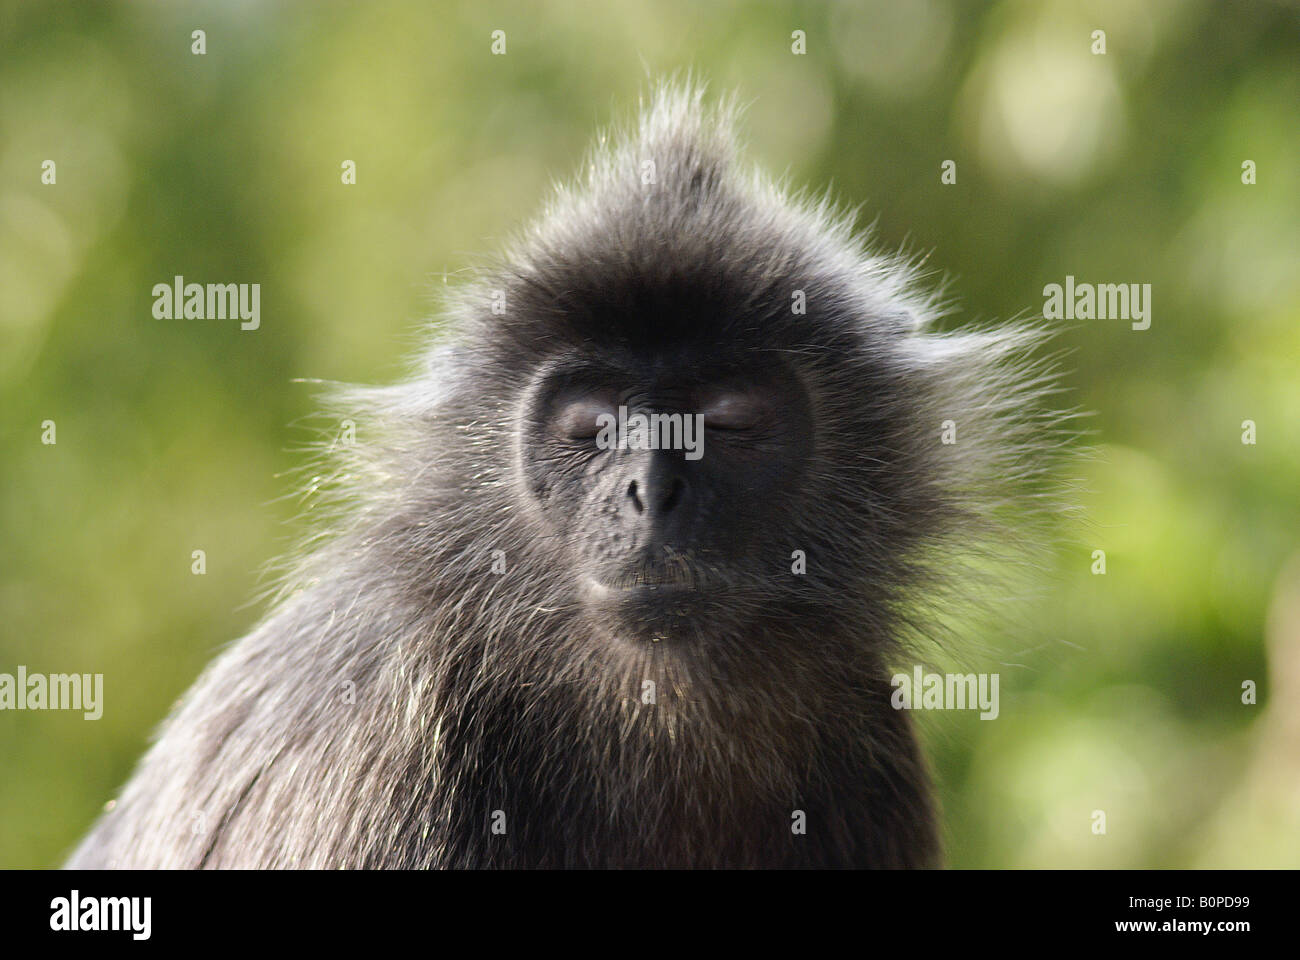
<point>645,612</point>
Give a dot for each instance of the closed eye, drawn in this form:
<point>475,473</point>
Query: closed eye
<point>579,418</point>
<point>734,411</point>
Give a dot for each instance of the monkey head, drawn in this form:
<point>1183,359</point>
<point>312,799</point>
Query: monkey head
<point>755,331</point>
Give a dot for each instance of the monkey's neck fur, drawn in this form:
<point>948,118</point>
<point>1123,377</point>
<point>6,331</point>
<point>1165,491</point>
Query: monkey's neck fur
<point>433,749</point>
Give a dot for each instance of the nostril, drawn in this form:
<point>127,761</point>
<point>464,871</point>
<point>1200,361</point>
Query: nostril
<point>673,496</point>
<point>636,501</point>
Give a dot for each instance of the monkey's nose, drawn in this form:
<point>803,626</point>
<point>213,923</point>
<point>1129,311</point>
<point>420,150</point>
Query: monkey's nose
<point>660,495</point>
<point>661,492</point>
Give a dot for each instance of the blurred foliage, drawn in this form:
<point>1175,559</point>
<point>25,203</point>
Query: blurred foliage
<point>1120,692</point>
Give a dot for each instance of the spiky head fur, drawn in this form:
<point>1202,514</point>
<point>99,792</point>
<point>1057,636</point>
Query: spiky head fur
<point>402,698</point>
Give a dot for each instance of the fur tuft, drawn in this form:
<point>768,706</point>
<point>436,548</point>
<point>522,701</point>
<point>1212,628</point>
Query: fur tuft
<point>399,693</point>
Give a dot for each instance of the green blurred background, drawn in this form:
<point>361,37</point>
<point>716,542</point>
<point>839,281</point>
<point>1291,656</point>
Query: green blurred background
<point>1120,692</point>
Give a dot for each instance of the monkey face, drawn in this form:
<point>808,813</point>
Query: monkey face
<point>799,470</point>
<point>666,477</point>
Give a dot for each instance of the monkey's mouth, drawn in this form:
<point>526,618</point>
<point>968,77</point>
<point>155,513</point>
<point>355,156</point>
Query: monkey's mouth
<point>655,583</point>
<point>644,607</point>
<point>638,585</point>
<point>652,581</point>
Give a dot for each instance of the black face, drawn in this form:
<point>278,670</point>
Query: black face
<point>682,507</point>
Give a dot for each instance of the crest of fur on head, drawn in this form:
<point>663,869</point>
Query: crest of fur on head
<point>669,236</point>
<point>442,595</point>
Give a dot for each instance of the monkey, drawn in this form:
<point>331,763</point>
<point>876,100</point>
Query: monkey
<point>511,645</point>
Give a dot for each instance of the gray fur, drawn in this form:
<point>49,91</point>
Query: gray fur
<point>477,692</point>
